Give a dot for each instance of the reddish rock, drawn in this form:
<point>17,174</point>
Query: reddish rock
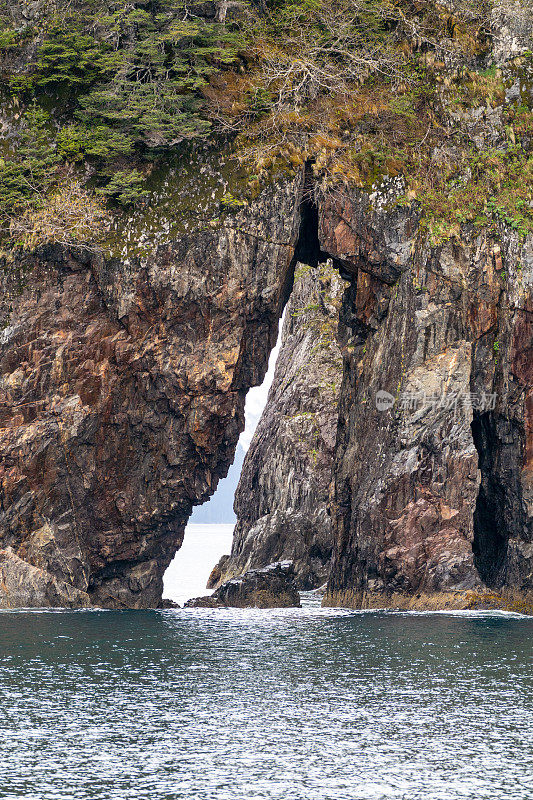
<point>122,387</point>
<point>431,497</point>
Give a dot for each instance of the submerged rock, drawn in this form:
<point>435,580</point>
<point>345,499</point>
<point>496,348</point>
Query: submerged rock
<point>270,587</point>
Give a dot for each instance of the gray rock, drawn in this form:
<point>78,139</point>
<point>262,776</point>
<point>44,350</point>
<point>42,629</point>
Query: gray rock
<point>270,587</point>
<point>27,586</point>
<point>283,493</point>
<point>433,478</point>
<point>168,604</point>
<point>512,26</point>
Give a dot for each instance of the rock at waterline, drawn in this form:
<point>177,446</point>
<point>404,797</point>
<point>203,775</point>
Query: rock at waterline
<point>270,587</point>
<point>23,585</point>
<point>167,604</point>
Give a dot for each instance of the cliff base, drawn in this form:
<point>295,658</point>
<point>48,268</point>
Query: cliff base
<point>271,587</point>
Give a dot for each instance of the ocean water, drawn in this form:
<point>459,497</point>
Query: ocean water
<point>202,548</point>
<point>295,704</point>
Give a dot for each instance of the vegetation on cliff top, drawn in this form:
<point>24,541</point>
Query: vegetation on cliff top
<point>100,93</point>
<point>109,90</point>
<point>420,101</point>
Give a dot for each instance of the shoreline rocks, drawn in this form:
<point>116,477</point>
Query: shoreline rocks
<point>270,587</point>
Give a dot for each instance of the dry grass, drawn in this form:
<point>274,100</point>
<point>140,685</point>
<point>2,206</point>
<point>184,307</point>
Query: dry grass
<point>70,215</point>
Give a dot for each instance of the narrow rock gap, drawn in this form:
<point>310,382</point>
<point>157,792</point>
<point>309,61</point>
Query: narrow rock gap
<point>208,534</point>
<point>217,510</point>
<point>308,249</point>
<point>282,500</point>
<point>499,510</point>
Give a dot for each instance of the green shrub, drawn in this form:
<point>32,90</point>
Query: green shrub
<point>131,78</point>
<point>69,61</point>
<point>125,186</point>
<point>26,177</point>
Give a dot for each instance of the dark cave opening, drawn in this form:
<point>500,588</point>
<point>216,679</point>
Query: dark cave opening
<point>308,250</point>
<point>499,510</point>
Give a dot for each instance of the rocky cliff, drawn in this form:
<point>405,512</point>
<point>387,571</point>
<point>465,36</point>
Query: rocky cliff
<point>283,494</point>
<point>123,386</point>
<point>433,465</point>
<point>432,471</point>
<point>124,368</point>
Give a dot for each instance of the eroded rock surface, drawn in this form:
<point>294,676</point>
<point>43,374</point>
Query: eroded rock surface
<point>123,378</point>
<point>122,386</point>
<point>271,587</point>
<point>123,389</point>
<point>283,494</point>
<point>23,585</point>
<point>433,472</point>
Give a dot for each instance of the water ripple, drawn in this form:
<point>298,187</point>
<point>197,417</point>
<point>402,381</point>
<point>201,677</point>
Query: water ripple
<point>311,704</point>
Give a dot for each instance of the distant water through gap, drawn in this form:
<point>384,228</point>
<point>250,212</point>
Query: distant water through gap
<point>202,548</point>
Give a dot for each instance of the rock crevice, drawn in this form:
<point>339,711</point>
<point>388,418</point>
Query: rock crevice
<point>282,500</point>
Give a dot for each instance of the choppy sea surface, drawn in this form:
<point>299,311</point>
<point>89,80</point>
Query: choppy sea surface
<point>297,704</point>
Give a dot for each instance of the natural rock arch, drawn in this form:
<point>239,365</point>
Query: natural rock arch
<point>124,386</point>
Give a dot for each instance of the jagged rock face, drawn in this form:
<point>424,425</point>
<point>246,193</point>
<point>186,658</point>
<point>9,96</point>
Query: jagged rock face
<point>283,494</point>
<point>122,391</point>
<point>123,383</point>
<point>433,471</point>
<point>123,388</point>
<point>512,24</point>
<point>271,587</point>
